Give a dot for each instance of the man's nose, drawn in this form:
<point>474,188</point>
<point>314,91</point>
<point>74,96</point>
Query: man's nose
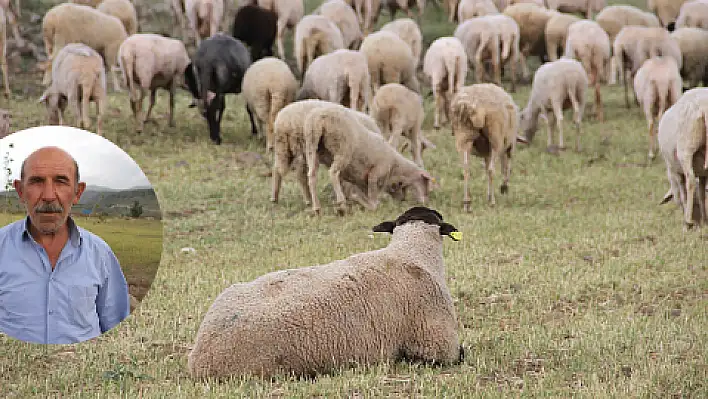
<point>49,191</point>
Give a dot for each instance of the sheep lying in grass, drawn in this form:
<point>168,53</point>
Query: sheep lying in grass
<point>388,304</point>
<point>658,86</point>
<point>204,17</point>
<point>341,77</point>
<point>339,12</point>
<point>268,86</point>
<point>556,86</point>
<point>390,61</point>
<point>693,43</point>
<point>315,35</point>
<point>78,77</point>
<point>693,14</point>
<point>485,123</point>
<point>123,10</point>
<point>398,110</point>
<point>445,64</point>
<point>683,138</point>
<point>150,62</point>
<point>408,30</point>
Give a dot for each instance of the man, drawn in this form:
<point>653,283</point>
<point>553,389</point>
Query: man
<point>59,283</point>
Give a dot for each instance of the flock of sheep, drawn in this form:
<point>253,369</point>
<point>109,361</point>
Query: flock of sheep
<point>354,104</point>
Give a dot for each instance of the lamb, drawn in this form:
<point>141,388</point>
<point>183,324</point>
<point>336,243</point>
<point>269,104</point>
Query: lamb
<point>78,76</point>
<point>556,86</point>
<point>268,86</point>
<point>398,110</point>
<point>556,33</point>
<point>532,21</point>
<point>388,304</point>
<point>3,53</point>
<point>150,62</point>
<point>339,12</point>
<point>590,44</point>
<point>341,77</point>
<point>74,23</point>
<point>467,9</point>
<point>256,27</point>
<point>216,69</point>
<point>290,12</point>
<point>315,35</point>
<point>682,142</point>
<point>408,30</point>
<point>693,43</point>
<point>693,14</point>
<point>390,61</point>
<point>658,86</point>
<point>123,10</point>
<point>334,137</point>
<point>482,41</point>
<point>666,10</point>
<point>445,64</point>
<point>586,7</point>
<point>204,17</point>
<point>485,123</point>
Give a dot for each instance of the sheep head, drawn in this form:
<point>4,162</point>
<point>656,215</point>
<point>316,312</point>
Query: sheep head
<point>421,213</point>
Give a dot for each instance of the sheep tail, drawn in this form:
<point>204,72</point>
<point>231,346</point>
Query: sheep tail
<point>126,64</point>
<point>312,132</point>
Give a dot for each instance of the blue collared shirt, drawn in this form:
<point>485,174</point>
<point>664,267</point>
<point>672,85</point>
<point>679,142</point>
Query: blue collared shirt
<point>84,296</point>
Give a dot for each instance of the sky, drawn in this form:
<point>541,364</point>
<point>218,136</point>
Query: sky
<point>100,161</point>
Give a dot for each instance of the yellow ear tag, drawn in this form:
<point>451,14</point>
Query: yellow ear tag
<point>456,235</point>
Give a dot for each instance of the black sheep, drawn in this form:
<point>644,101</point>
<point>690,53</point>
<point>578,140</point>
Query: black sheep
<point>256,27</point>
<point>216,69</point>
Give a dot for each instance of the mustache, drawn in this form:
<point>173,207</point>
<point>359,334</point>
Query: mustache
<point>49,207</point>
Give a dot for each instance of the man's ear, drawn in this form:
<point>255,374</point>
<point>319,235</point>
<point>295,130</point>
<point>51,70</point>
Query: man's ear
<point>384,227</point>
<point>18,187</point>
<point>79,190</point>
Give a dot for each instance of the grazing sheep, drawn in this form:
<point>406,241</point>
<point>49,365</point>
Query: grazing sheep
<point>586,7</point>
<point>289,146</point>
<point>388,304</point>
<point>268,86</point>
<point>666,10</point>
<point>204,17</point>
<point>3,53</point>
<point>390,60</point>
<point>693,43</point>
<point>693,14</point>
<point>408,30</point>
<point>74,23</point>
<point>5,119</point>
<point>78,77</point>
<point>216,69</point>
<point>256,27</point>
<point>682,140</point>
<point>485,123</point>
<point>510,35</point>
<point>290,12</point>
<point>315,35</point>
<point>532,21</point>
<point>405,6</point>
<point>123,10</point>
<point>556,33</point>
<point>339,12</point>
<point>482,42</point>
<point>341,77</point>
<point>334,137</point>
<point>556,86</point>
<point>658,86</point>
<point>398,110</point>
<point>467,9</point>
<point>445,64</point>
<point>589,43</point>
<point>150,62</point>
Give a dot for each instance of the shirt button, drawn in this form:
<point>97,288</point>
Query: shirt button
<point>51,312</point>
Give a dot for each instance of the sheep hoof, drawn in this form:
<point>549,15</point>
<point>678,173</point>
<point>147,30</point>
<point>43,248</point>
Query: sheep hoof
<point>651,156</point>
<point>436,127</point>
<point>552,149</point>
<point>462,354</point>
<point>504,188</point>
<point>273,200</point>
<point>466,205</point>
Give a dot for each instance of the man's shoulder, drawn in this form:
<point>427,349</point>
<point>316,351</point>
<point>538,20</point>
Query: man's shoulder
<point>93,240</point>
<point>12,228</point>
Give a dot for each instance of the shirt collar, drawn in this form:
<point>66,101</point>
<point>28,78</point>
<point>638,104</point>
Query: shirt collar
<point>74,233</point>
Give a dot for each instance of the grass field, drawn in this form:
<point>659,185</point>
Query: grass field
<point>578,283</point>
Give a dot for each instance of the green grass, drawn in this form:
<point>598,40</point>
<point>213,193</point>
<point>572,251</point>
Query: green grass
<point>576,284</point>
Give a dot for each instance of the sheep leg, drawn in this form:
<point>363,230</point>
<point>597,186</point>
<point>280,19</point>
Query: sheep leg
<point>650,127</point>
<point>550,123</point>
<point>152,104</point>
<point>489,166</point>
<point>702,180</point>
<point>479,73</point>
<point>626,87</point>
<point>438,105</point>
<point>416,145</point>
<point>301,171</point>
<point>512,66</point>
<point>334,171</point>
<point>576,118</point>
<point>172,93</point>
<point>100,110</point>
<point>372,187</point>
<point>613,71</point>
<point>137,105</point>
<point>686,160</point>
<point>558,114</point>
<point>466,201</point>
<point>505,160</point>
<point>281,166</point>
<point>595,81</point>
<point>281,25</point>
<point>5,75</point>
<point>313,165</point>
<point>85,98</point>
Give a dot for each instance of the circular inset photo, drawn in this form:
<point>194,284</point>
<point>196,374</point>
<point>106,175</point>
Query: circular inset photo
<point>80,235</point>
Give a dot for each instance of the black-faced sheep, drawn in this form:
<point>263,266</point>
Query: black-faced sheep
<point>216,69</point>
<point>388,304</point>
<point>256,27</point>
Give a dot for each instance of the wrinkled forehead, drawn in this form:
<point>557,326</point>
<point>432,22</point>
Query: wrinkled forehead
<point>49,162</point>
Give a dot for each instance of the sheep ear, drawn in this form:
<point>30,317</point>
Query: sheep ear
<point>667,197</point>
<point>384,227</point>
<point>447,229</point>
<point>44,97</point>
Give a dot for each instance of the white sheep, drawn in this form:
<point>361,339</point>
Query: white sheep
<point>315,35</point>
<point>74,23</point>
<point>693,14</point>
<point>398,111</point>
<point>586,7</point>
<point>467,9</point>
<point>123,10</point>
<point>78,77</point>
<point>683,137</point>
<point>204,17</point>
<point>556,33</point>
<point>341,76</point>
<point>344,17</point>
<point>445,64</point>
<point>590,44</point>
<point>388,304</point>
<point>149,62</point>
<point>509,36</point>
<point>390,60</point>
<point>408,30</point>
<point>666,10</point>
<point>482,42</point>
<point>556,86</point>
<point>532,20</point>
<point>693,43</point>
<point>334,137</point>
<point>485,123</point>
<point>658,86</point>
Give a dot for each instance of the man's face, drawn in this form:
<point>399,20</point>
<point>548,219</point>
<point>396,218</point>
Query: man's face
<point>49,189</point>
